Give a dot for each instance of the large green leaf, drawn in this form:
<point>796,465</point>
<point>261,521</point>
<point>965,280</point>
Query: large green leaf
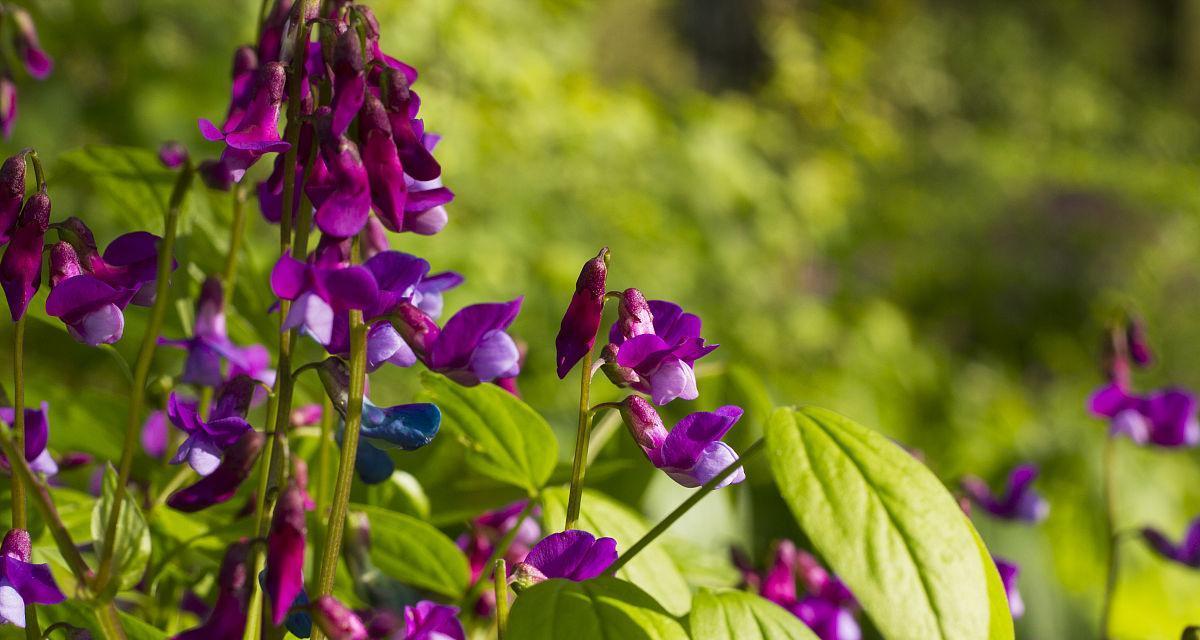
<point>652,569</point>
<point>738,615</point>
<point>503,437</point>
<point>600,609</point>
<point>416,553</point>
<point>131,544</point>
<point>886,525</point>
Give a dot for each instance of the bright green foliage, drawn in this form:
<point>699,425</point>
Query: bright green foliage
<point>131,544</point>
<point>415,553</point>
<point>597,609</point>
<point>737,615</point>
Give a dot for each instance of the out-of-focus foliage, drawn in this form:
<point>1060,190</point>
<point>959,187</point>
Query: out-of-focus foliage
<point>915,213</point>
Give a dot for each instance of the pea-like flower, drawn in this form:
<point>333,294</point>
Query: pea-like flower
<point>577,332</point>
<point>337,620</point>
<point>319,289</point>
<point>428,620</point>
<point>572,554</point>
<point>12,194</point>
<point>209,347</point>
<point>691,453</point>
<point>256,132</point>
<point>21,265</point>
<point>826,606</point>
<point>207,439</point>
<point>37,437</point>
<point>472,347</point>
<point>1008,577</point>
<point>1019,502</point>
<point>1186,552</point>
<point>660,344</point>
<point>1165,418</point>
<point>340,189</point>
<point>349,78</point>
<point>228,616</point>
<point>22,582</point>
<point>220,485</point>
<point>285,551</point>
<point>25,40</point>
<point>479,542</point>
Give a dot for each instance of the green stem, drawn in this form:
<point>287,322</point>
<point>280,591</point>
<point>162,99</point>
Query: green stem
<point>178,480</point>
<point>19,520</point>
<point>33,629</point>
<point>1112,536</point>
<point>684,507</point>
<point>579,466</point>
<point>501,548</point>
<point>320,477</point>
<point>141,371</point>
<point>237,228</point>
<point>110,622</point>
<point>500,582</point>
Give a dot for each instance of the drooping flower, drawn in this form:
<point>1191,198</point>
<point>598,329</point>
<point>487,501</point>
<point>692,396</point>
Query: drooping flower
<point>339,189</point>
<point>12,194</point>
<point>1019,502</point>
<point>827,606</point>
<point>429,620</point>
<point>37,437</point>
<point>349,79</point>
<point>479,542</point>
<point>209,347</point>
<point>21,266</point>
<point>1165,418</point>
<point>337,620</point>
<point>1186,552</point>
<point>572,554</point>
<point>220,485</point>
<point>22,582</point>
<point>577,332</point>
<point>228,616</point>
<point>319,290</point>
<point>244,75</point>
<point>25,40</point>
<point>256,132</point>
<point>473,347</point>
<point>1008,577</point>
<point>207,439</point>
<point>285,551</point>
<point>691,453</point>
<point>659,343</point>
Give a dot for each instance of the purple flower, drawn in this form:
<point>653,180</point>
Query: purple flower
<point>659,343</point>
<point>8,105</point>
<point>22,582</point>
<point>428,620</point>
<point>210,346</point>
<point>270,191</point>
<point>1019,502</point>
<point>256,132</point>
<point>573,554</point>
<point>21,266</point>
<point>172,154</point>
<point>208,439</point>
<point>1008,576</point>
<point>1165,418</point>
<point>12,194</point>
<point>37,437</point>
<point>220,485</point>
<point>340,189</point>
<point>228,616</point>
<point>1187,552</point>
<point>407,131</point>
<point>29,49</point>
<point>155,435</point>
<point>244,73</point>
<point>285,552</point>
<point>1139,347</point>
<point>486,531</point>
<point>692,453</point>
<point>349,81</point>
<point>337,620</point>
<point>827,607</point>
<point>473,347</point>
<point>319,290</point>
<point>577,332</point>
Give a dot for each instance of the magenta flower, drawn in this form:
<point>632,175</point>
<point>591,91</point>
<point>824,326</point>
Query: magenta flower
<point>407,131</point>
<point>577,332</point>
<point>486,531</point>
<point>155,434</point>
<point>659,344</point>
<point>8,104</point>
<point>208,439</point>
<point>209,347</point>
<point>37,437</point>
<point>340,188</point>
<point>692,453</point>
<point>172,154</point>
<point>21,266</point>
<point>22,582</point>
<point>256,132</point>
<point>428,620</point>
<point>319,290</point>
<point>29,49</point>
<point>228,616</point>
<point>245,74</point>
<point>472,348</point>
<point>220,485</point>
<point>1139,346</point>
<point>337,620</point>
<point>1020,501</point>
<point>1008,576</point>
<point>1187,552</point>
<point>285,551</point>
<point>349,80</point>
<point>12,194</point>
<point>573,554</point>
<point>1165,418</point>
<point>270,191</point>
<point>827,606</point>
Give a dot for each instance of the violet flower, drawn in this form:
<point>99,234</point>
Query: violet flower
<point>244,74</point>
<point>155,434</point>
<point>1019,502</point>
<point>210,346</point>
<point>659,344</point>
<point>37,437</point>
<point>1165,418</point>
<point>429,620</point>
<point>407,131</point>
<point>29,49</point>
<point>1008,577</point>
<point>12,194</point>
<point>172,154</point>
<point>220,485</point>
<point>349,80</point>
<point>21,266</point>
<point>337,620</point>
<point>22,582</point>
<point>256,132</point>
<point>473,347</point>
<point>573,554</point>
<point>285,552</point>
<point>208,439</point>
<point>577,332</point>
<point>339,189</point>
<point>228,616</point>
<point>1187,552</point>
<point>1139,347</point>
<point>318,290</point>
<point>691,453</point>
<point>8,104</point>
<point>485,533</point>
<point>385,172</point>
<point>827,606</point>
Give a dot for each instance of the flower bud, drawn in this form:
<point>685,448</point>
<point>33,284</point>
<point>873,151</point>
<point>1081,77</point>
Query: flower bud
<point>8,105</point>
<point>633,314</point>
<point>21,266</point>
<point>1139,349</point>
<point>172,154</point>
<point>16,545</point>
<point>577,331</point>
<point>335,377</point>
<point>12,194</point>
<point>644,423</point>
<point>221,484</point>
<point>416,327</point>
<point>74,459</point>
<point>285,552</point>
<point>337,620</point>
<point>618,375</point>
<point>25,41</point>
<point>64,263</point>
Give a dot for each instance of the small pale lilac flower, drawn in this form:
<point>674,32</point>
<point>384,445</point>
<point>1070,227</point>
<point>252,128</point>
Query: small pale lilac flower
<point>172,154</point>
<point>473,347</point>
<point>1008,576</point>
<point>486,531</point>
<point>429,620</point>
<point>1187,552</point>
<point>228,616</point>
<point>155,435</point>
<point>220,485</point>
<point>691,453</point>
<point>1019,502</point>
<point>256,132</point>
<point>660,343</point>
<point>12,194</point>
<point>318,291</point>
<point>1165,418</point>
<point>208,439</point>
<point>285,552</point>
<point>577,332</point>
<point>22,582</point>
<point>209,347</point>
<point>21,266</point>
<point>337,620</point>
<point>573,554</point>
<point>29,49</point>
<point>37,437</point>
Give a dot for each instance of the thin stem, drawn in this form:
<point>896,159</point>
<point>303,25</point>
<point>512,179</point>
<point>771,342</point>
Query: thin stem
<point>500,582</point>
<point>1112,535</point>
<point>501,548</point>
<point>178,480</point>
<point>237,228</point>
<point>602,432</point>
<point>141,371</point>
<point>19,520</point>
<point>684,507</point>
<point>33,629</point>
<point>601,406</point>
<point>581,442</point>
<point>110,623</point>
<point>320,477</point>
<point>39,174</point>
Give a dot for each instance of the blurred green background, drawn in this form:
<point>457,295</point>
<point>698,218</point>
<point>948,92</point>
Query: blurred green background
<point>919,214</point>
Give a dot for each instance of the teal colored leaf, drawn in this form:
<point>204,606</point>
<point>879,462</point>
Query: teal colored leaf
<point>131,544</point>
<point>887,527</point>
<point>503,437</point>
<point>738,615</point>
<point>600,609</point>
<point>652,569</point>
<point>415,553</point>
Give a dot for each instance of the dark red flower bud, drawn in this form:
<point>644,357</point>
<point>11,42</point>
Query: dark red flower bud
<point>285,552</point>
<point>337,620</point>
<point>12,194</point>
<point>222,483</point>
<point>577,332</point>
<point>1139,347</point>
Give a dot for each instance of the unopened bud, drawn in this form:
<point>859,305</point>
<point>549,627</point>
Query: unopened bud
<point>16,545</point>
<point>337,620</point>
<point>524,576</point>
<point>633,314</point>
<point>644,423</point>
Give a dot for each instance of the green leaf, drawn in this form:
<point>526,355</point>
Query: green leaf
<point>131,545</point>
<point>598,609</point>
<point>652,569</point>
<point>738,615</point>
<point>503,437</point>
<point>416,553</point>
<point>887,527</point>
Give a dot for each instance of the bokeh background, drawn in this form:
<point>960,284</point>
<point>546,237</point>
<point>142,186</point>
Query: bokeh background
<point>920,214</point>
